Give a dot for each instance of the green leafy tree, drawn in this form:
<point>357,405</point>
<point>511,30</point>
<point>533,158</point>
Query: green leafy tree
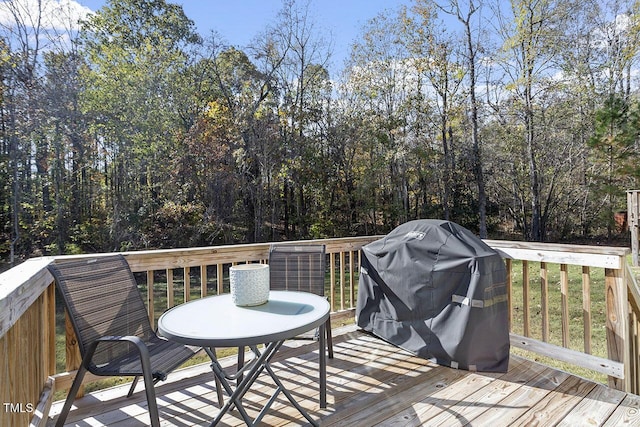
<point>467,13</point>
<point>301,83</point>
<point>243,97</point>
<point>378,79</point>
<point>615,146</point>
<point>134,51</point>
<point>73,184</point>
<point>530,48</point>
<point>22,124</point>
<point>434,54</point>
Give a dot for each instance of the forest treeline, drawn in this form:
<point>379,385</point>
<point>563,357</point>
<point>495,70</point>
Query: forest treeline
<point>513,118</point>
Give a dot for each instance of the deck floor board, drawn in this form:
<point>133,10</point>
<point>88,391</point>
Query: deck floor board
<point>373,383</point>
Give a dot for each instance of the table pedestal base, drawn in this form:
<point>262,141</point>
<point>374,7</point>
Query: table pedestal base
<point>256,367</point>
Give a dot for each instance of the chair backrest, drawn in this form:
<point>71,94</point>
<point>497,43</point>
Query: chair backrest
<point>297,268</point>
<point>102,299</point>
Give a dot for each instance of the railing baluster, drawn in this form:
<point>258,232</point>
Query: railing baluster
<point>220,278</point>
<point>203,281</point>
<point>525,296</point>
<point>170,297</point>
<point>635,361</point>
<point>544,301</point>
<point>352,282</point>
<point>342,280</point>
<point>72,352</point>
<point>51,329</point>
<point>633,344</point>
<point>564,302</point>
<point>509,285</point>
<point>187,283</point>
<point>150,306</point>
<point>586,308</point>
<point>332,279</point>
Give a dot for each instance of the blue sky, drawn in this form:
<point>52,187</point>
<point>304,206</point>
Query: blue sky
<point>239,21</point>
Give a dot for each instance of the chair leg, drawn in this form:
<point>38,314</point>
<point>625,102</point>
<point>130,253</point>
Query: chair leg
<point>219,391</point>
<point>329,338</point>
<point>151,394</point>
<point>77,382</point>
<point>133,386</point>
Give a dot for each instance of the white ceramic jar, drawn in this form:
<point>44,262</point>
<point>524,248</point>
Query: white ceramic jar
<point>249,284</point>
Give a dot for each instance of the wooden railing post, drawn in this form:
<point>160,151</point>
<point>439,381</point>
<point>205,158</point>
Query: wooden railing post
<point>633,293</point>
<point>617,329</point>
<point>72,351</point>
<point>49,328</point>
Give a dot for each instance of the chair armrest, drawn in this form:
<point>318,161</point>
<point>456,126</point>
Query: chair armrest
<point>141,347</point>
<point>130,338</point>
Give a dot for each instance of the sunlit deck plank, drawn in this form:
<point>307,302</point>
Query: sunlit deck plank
<point>462,408</point>
<point>595,408</point>
<point>516,404</point>
<point>385,369</point>
<point>556,404</point>
<point>626,414</point>
<point>373,383</point>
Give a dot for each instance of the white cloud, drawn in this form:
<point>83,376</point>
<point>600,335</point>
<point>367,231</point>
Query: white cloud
<point>47,14</point>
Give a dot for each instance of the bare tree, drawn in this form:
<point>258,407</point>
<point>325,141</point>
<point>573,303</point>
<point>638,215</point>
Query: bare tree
<point>530,46</point>
<point>300,56</point>
<point>434,52</point>
<point>464,11</point>
<point>21,30</point>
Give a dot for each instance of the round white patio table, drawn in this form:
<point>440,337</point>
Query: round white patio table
<point>216,321</point>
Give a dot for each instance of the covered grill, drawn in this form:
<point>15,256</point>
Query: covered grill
<point>436,290</point>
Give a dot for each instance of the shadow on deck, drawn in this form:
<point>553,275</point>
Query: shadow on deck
<point>373,383</point>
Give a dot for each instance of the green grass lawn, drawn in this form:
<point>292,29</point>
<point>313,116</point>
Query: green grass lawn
<point>576,322</point>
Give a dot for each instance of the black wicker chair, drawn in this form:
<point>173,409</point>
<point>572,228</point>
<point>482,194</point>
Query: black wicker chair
<point>113,330</point>
<point>299,268</point>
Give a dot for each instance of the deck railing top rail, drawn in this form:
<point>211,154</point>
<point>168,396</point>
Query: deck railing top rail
<point>590,256</point>
<point>192,257</point>
<point>20,287</point>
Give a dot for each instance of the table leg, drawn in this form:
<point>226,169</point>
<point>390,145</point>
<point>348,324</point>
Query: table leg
<point>222,380</point>
<point>218,382</point>
<point>262,363</point>
<point>323,366</point>
<point>248,379</point>
<point>281,388</point>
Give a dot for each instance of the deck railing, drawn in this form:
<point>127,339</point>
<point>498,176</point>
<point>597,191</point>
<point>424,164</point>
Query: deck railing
<point>169,277</point>
<point>614,305</point>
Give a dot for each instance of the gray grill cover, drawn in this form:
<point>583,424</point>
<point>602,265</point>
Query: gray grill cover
<point>436,290</point>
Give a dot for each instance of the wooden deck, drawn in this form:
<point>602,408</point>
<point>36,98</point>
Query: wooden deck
<point>373,383</point>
